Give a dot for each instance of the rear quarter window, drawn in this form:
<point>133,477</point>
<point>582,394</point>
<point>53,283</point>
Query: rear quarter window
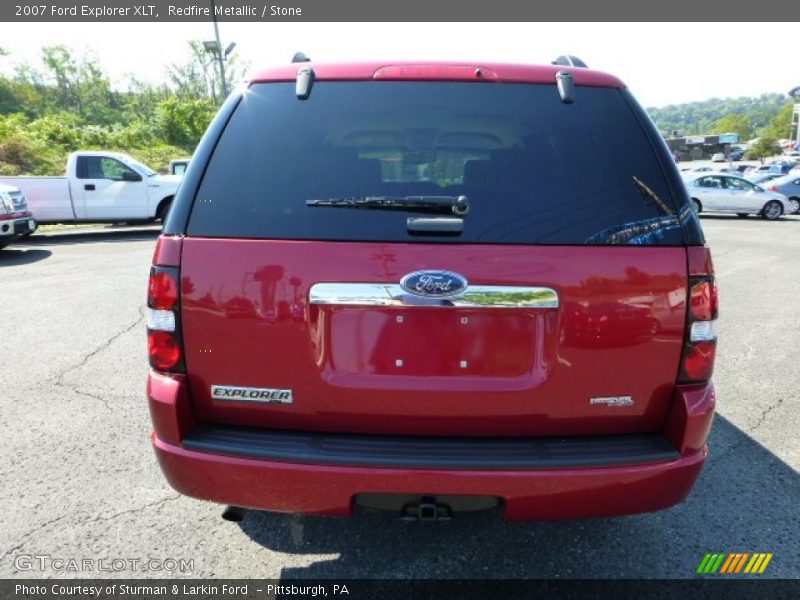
<point>535,170</point>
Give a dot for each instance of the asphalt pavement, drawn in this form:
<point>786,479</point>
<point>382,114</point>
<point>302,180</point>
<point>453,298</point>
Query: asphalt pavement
<point>80,480</point>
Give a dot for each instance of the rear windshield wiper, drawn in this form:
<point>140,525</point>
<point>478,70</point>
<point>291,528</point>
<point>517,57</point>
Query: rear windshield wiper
<point>456,205</point>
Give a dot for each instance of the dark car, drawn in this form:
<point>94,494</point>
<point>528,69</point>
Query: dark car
<point>737,154</point>
<point>383,285</point>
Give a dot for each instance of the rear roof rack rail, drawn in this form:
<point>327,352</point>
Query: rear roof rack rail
<point>567,60</point>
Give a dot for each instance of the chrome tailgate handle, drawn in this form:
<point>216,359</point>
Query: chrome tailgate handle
<point>475,296</point>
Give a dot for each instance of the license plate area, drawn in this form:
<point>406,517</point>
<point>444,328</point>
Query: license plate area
<point>430,342</point>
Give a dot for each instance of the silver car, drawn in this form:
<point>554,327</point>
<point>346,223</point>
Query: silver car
<point>789,186</point>
<point>720,192</point>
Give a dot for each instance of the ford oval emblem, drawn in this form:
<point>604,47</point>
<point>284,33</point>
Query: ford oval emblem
<point>434,284</point>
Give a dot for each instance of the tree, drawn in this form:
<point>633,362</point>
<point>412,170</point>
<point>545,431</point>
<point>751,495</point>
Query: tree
<point>79,84</point>
<point>198,77</point>
<point>182,121</point>
<point>763,148</point>
<point>699,117</point>
<point>734,123</point>
<point>781,126</point>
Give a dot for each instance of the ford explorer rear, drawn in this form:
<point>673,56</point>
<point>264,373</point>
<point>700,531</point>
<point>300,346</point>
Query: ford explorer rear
<point>430,288</point>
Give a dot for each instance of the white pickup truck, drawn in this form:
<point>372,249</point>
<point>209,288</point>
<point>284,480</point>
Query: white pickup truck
<point>98,187</point>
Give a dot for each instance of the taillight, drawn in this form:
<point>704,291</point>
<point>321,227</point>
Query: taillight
<point>162,291</point>
<point>700,345</point>
<point>773,188</point>
<point>163,320</point>
<point>164,350</point>
<point>703,300</point>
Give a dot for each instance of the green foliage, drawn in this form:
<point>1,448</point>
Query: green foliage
<point>21,155</point>
<point>780,127</point>
<point>763,148</point>
<point>701,117</point>
<point>68,103</point>
<point>734,123</point>
<point>182,122</point>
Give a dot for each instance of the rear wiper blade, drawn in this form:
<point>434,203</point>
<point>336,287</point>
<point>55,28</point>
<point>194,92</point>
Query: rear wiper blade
<point>456,205</point>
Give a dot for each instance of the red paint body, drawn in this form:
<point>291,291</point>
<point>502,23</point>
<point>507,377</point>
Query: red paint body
<point>253,326</point>
<point>15,215</point>
<point>526,495</point>
<point>442,71</point>
<point>619,330</point>
<point>531,372</point>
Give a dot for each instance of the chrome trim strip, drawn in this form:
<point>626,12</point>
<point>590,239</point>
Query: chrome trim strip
<point>475,296</point>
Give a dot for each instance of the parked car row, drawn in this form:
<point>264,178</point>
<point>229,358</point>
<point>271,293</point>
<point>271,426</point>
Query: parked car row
<point>722,192</point>
<point>99,187</point>
<point>749,171</point>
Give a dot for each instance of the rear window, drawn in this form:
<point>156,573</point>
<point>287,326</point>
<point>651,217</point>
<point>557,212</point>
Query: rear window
<point>534,169</point>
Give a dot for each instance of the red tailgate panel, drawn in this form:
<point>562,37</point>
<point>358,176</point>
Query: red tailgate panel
<point>464,371</point>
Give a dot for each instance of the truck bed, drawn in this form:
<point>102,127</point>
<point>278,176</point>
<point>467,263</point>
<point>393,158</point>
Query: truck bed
<point>48,198</point>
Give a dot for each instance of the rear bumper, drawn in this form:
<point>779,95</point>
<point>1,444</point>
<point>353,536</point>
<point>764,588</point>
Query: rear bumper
<point>527,493</point>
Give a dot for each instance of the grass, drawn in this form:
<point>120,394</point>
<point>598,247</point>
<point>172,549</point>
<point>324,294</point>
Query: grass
<point>69,227</point>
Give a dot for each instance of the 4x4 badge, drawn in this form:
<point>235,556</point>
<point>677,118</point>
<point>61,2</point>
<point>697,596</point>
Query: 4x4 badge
<point>434,284</point>
<point>612,401</point>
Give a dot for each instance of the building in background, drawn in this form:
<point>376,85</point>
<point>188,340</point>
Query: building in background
<point>702,147</point>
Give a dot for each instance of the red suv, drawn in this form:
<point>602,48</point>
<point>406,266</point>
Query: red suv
<point>431,288</point>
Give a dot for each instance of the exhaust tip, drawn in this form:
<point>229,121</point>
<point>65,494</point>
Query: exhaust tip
<point>234,513</point>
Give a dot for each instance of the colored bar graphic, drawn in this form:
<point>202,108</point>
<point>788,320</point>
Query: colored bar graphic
<point>765,563</point>
<point>729,562</point>
<point>734,562</point>
<point>717,563</point>
<point>703,563</point>
<point>741,562</point>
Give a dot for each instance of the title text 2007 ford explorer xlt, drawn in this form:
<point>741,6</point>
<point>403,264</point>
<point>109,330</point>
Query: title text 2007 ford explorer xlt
<point>431,288</point>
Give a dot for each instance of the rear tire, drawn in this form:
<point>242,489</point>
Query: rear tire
<point>772,210</point>
<point>696,206</point>
<point>743,215</point>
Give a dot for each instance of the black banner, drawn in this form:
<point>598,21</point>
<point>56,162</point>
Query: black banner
<point>383,589</point>
<point>407,10</point>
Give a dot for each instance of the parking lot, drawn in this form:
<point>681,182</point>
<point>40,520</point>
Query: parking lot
<point>81,480</point>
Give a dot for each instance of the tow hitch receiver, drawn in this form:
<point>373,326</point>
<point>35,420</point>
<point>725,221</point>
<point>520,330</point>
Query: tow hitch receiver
<point>427,509</point>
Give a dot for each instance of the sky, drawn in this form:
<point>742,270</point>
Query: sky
<point>662,63</point>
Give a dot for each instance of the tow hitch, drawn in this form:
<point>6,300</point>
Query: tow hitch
<point>427,509</point>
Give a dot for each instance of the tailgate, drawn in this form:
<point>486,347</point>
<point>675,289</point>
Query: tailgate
<point>329,323</point>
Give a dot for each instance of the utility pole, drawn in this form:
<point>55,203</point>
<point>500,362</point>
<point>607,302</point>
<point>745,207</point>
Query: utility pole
<point>218,52</point>
<point>794,94</point>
